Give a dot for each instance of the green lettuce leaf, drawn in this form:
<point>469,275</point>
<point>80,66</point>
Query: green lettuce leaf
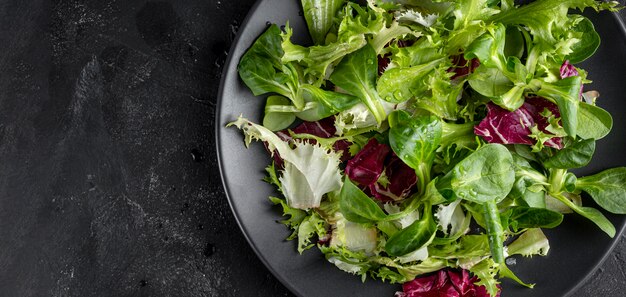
<point>319,16</point>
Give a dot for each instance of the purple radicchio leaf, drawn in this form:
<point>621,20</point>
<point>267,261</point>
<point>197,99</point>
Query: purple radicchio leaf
<point>445,282</point>
<point>568,70</point>
<point>513,127</point>
<point>402,181</point>
<point>367,165</point>
<point>323,128</point>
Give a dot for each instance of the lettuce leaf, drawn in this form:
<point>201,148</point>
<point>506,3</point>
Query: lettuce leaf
<point>319,17</point>
<point>310,171</point>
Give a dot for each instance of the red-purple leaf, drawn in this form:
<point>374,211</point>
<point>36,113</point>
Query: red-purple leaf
<point>324,128</point>
<point>568,70</point>
<point>367,165</point>
<point>402,181</point>
<point>445,282</point>
<point>513,127</point>
<point>462,67</point>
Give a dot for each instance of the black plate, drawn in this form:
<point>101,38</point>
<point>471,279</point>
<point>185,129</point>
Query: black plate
<point>577,246</point>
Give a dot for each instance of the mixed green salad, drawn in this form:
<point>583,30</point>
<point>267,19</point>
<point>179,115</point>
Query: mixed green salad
<point>424,142</point>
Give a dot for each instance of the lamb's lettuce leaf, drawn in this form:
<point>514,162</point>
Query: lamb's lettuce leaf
<point>356,74</point>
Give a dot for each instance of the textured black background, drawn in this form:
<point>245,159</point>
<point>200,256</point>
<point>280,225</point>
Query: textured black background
<point>108,177</point>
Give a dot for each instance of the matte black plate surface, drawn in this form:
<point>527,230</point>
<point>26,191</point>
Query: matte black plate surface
<point>577,246</point>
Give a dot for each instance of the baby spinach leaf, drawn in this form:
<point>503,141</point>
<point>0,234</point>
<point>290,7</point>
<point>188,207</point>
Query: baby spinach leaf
<point>485,175</point>
<point>588,44</point>
<point>414,140</point>
<point>268,46</point>
<point>262,71</point>
<point>356,74</point>
<point>574,156</point>
<point>607,188</point>
<point>261,77</point>
<point>414,236</point>
<point>593,122</point>
<point>358,207</point>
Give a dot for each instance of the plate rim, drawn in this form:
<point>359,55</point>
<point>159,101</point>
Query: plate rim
<point>218,128</point>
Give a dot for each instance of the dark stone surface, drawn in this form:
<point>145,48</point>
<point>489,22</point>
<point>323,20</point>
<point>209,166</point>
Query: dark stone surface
<point>108,177</point>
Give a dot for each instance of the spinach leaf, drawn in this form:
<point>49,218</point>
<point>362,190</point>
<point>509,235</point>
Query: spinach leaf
<point>607,188</point>
<point>574,156</point>
<point>588,44</point>
<point>319,16</point>
<point>485,175</point>
<point>268,46</point>
<point>356,74</point>
<point>358,207</point>
<point>535,199</point>
<point>521,217</point>
<point>262,71</point>
<point>414,140</point>
<point>593,122</point>
<point>414,236</point>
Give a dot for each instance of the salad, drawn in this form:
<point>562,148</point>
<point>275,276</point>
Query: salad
<point>425,142</point>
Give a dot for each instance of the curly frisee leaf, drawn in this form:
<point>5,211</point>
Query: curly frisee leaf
<point>310,170</point>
